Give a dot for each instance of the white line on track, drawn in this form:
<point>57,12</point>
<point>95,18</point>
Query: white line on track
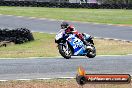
<point>20,16</point>
<point>41,18</point>
<point>3,80</point>
<point>43,78</point>
<point>113,39</point>
<point>39,79</point>
<point>66,78</point>
<point>10,15</point>
<point>32,17</point>
<point>23,79</point>
<point>72,57</point>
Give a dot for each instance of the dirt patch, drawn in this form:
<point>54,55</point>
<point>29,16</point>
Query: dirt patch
<point>60,83</point>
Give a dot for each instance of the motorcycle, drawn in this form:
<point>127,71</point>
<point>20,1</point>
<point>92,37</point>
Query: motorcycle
<point>69,45</point>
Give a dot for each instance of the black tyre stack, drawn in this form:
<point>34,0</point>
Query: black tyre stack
<point>18,35</point>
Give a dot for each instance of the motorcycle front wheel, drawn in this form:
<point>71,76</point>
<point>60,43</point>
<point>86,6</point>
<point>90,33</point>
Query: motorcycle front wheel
<point>66,53</point>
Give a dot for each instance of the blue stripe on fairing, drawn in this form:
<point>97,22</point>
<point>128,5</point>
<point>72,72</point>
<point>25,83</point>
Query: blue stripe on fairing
<point>75,50</point>
<point>79,52</point>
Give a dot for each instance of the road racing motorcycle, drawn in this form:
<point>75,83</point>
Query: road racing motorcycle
<point>69,45</point>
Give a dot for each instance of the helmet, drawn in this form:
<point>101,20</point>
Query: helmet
<point>64,24</point>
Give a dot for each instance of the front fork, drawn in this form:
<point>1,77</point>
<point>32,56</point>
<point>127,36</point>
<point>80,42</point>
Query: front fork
<point>66,47</point>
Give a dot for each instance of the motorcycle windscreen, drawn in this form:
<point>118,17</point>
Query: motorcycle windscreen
<point>77,45</point>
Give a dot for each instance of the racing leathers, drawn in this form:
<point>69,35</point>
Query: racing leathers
<point>71,29</point>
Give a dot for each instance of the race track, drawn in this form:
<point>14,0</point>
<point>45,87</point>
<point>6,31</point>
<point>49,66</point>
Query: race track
<point>52,26</point>
<point>59,67</point>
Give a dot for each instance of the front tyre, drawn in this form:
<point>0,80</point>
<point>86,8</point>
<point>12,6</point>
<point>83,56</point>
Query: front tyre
<point>64,52</point>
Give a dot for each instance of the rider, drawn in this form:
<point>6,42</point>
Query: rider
<point>70,29</point>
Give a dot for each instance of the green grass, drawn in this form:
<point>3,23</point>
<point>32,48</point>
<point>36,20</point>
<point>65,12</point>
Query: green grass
<point>113,16</point>
<point>44,46</point>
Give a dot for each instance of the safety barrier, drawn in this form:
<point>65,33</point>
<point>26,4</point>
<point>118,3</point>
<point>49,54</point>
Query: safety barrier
<point>65,5</point>
<point>18,35</point>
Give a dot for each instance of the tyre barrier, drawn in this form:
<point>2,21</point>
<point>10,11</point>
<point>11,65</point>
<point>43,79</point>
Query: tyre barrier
<point>65,5</point>
<point>18,35</point>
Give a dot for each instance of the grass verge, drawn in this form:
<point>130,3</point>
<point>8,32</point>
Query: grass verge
<point>44,46</point>
<point>60,83</point>
<point>112,16</point>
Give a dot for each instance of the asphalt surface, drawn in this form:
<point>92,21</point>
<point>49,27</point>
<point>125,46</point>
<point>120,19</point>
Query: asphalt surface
<point>53,26</point>
<point>59,67</point>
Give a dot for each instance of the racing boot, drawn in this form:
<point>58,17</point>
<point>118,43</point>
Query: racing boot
<point>88,47</point>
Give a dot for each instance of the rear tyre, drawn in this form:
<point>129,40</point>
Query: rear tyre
<point>63,52</point>
<point>92,53</point>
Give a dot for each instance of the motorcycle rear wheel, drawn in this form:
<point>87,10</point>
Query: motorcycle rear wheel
<point>92,53</point>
